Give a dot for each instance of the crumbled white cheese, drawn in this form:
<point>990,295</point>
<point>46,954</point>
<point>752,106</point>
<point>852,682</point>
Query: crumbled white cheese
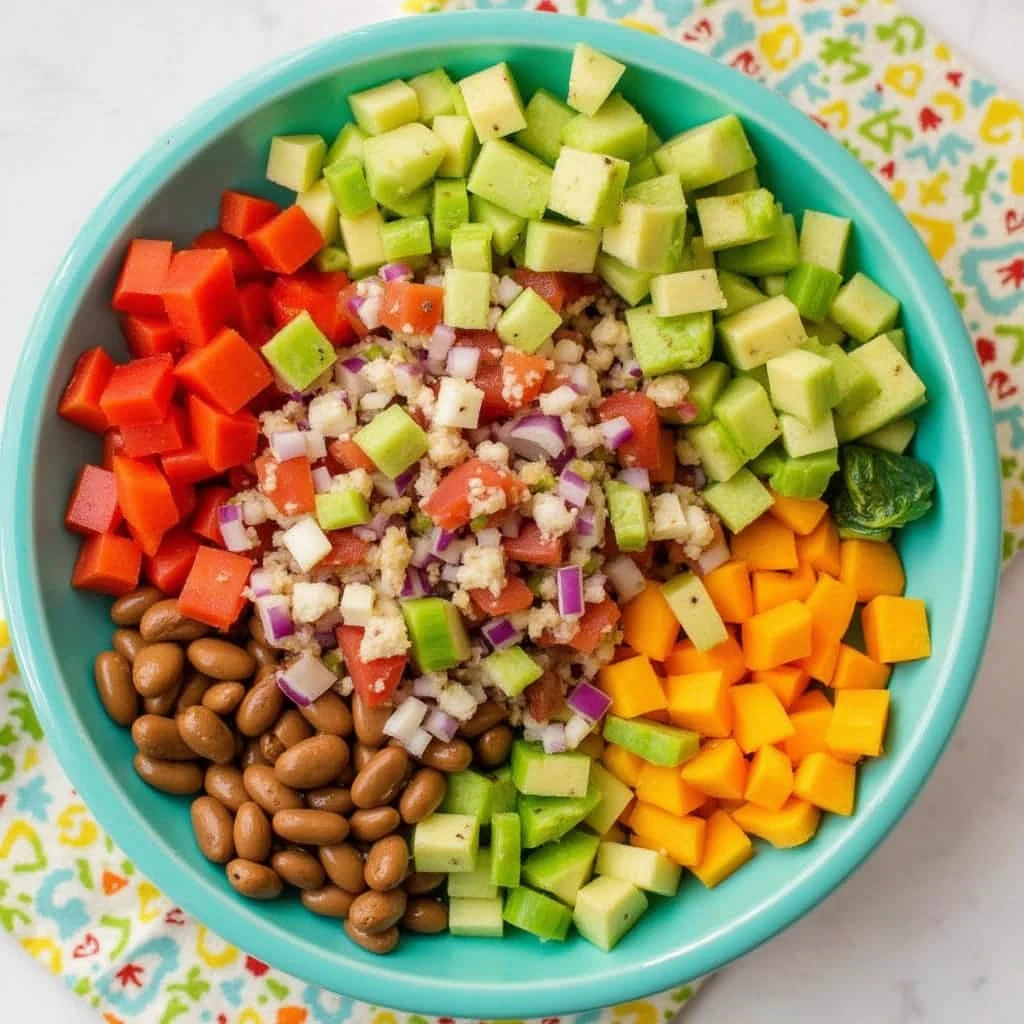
<point>594,591</point>
<point>541,620</point>
<point>357,604</point>
<point>547,589</point>
<point>494,453</point>
<point>374,401</point>
<point>306,543</point>
<point>668,520</point>
<point>551,515</point>
<point>356,479</point>
<point>395,552</point>
<point>462,601</point>
<point>609,333</point>
<point>457,701</point>
<point>669,391</point>
<point>458,404</point>
<point>310,601</point>
<point>331,415</point>
<point>385,635</point>
<point>394,507</point>
<point>559,401</point>
<point>533,473</point>
<point>381,375</point>
<point>424,400</point>
<point>426,480</point>
<point>702,533</point>
<point>447,447</point>
<point>483,568</point>
<point>484,500</point>
<point>568,351</point>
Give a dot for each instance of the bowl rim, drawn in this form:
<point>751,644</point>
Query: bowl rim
<point>219,909</point>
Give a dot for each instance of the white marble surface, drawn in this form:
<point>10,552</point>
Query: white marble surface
<point>931,928</point>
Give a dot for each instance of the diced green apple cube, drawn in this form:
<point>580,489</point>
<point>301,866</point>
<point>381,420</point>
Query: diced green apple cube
<point>437,632</point>
<point>528,322</point>
<point>295,161</point>
<point>511,670</point>
<point>447,843</point>
<point>493,102</point>
<point>616,796</point>
<point>337,510</point>
<point>435,92</point>
<point>823,240</point>
<point>562,867</point>
<point>663,190</point>
<point>894,437</point>
<point>692,606</point>
<point>560,247</point>
<point>480,919</point>
<point>708,153</point>
<point>475,884</point>
<point>812,289</point>
<point>538,914</point>
<point>393,440</point>
<point>800,438</point>
<point>362,239</point>
<point>646,869</point>
<point>863,309</point>
<point>632,285</point>
<point>506,849</point>
<point>592,79</point>
<point>706,383</point>
<point>617,129</point>
<point>606,909</point>
<point>739,500</point>
<point>687,291</point>
<point>740,293</point>
<point>762,332</point>
<point>737,219</point>
<point>546,118</point>
<point>803,384</point>
<point>807,476</point>
<point>587,187</point>
<point>385,107</point>
<point>467,298</point>
<point>459,141</point>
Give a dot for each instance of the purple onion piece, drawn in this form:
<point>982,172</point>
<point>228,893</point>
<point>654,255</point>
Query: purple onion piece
<point>553,738</point>
<point>441,725</point>
<point>305,679</point>
<point>463,362</point>
<point>275,615</point>
<point>638,478</point>
<point>569,584</point>
<point>573,489</point>
<point>500,633</point>
<point>616,432</point>
<point>259,583</point>
<point>588,701</point>
<point>537,436</point>
<point>396,272</point>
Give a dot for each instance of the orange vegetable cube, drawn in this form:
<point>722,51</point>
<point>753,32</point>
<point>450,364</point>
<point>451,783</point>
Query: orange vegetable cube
<point>871,568</point>
<point>770,779</point>
<point>728,586</point>
<point>726,657</point>
<point>896,629</point>
<point>649,625</point>
<point>682,839</point>
<point>646,844</point>
<point>633,687</point>
<point>856,671</point>
<point>719,770</point>
<point>774,637</point>
<point>809,730</point>
<point>213,590</point>
<point>858,722</point>
<point>700,701</point>
<point>664,787</point>
<point>787,682</point>
<point>820,664</point>
<point>792,825</point>
<point>813,701</point>
<point>726,848</point>
<point>827,782</point>
<point>801,515</point>
<point>622,763</point>
<point>759,719</point>
<point>774,588</point>
<point>831,604</point>
<point>108,564</point>
<point>820,548</point>
<point>766,543</point>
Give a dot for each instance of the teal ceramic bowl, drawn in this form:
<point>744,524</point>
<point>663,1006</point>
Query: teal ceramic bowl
<point>951,557</point>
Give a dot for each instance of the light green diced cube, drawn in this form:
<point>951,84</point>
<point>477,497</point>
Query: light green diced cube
<point>295,161</point>
<point>644,235</point>
<point>800,438</point>
<point>347,182</point>
<point>692,606</point>
<point>409,236</point>
<point>773,284</point>
<point>803,384</point>
<point>471,247</point>
<point>564,247</point>
<point>863,309</point>
<point>743,181</point>
<point>894,437</point>
<point>507,227</point>
<point>337,510</point>
<point>740,293</point>
<point>546,118</point>
<point>467,299</point>
<point>400,162</point>
<point>481,919</point>
<point>664,190</point>
<point>812,289</point>
<point>592,79</point>
<point>646,869</point>
<point>393,440</point>
<point>299,352</point>
<point>587,187</point>
<point>739,500</point>
<point>827,332</point>
<point>707,382</point>
<point>362,239</point>
<point>630,514</point>
<point>642,170</point>
<point>688,291</point>
<point>459,141</point>
<point>475,884</point>
<point>806,477</point>
<point>446,843</point>
<point>616,796</point>
<point>417,204</point>
<point>854,385</point>
<point>701,257</point>
<point>737,219</point>
<point>708,153</point>
<point>762,332</point>
<point>775,254</point>
<point>631,284</point>
<point>823,240</point>
<point>511,178</point>
<point>330,259</point>
<point>606,908</point>
<point>385,107</point>
<point>617,129</point>
<point>493,102</point>
<point>349,142</point>
<point>435,91</point>
<point>669,344</point>
<point>318,202</point>
<point>450,210</point>
<point>511,670</point>
<point>746,413</point>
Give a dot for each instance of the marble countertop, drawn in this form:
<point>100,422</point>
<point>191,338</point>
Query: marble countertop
<point>930,929</point>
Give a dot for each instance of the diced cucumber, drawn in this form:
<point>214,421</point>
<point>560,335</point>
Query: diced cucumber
<point>854,384</point>
<point>299,352</point>
<point>493,102</point>
<point>562,867</point>
<point>772,284</point>
<point>528,322</point>
<point>435,92</point>
<point>561,247</point>
<point>669,344</point>
<point>592,79</point>
<point>642,170</point>
<point>828,333</point>
<point>415,205</point>
<point>739,292</point>
<point>459,140</point>
<point>762,332</point>
<point>406,237</point>
<point>688,291</point>
<point>393,440</point>
<point>547,818</point>
<point>768,461</point>
<point>318,204</point>
<point>812,289</point>
<point>507,227</point>
<point>606,909</point>
<point>475,884</point>
<point>470,793</point>
<point>546,118</point>
<point>745,411</point>
<point>349,142</point>
<point>337,510</point>
<point>385,107</point>
<point>706,383</point>
<point>701,257</point>
<point>692,606</point>
<point>331,258</point>
<point>632,285</point>
<point>664,190</point>
<point>616,796</point>
<point>506,849</point>
<point>645,236</point>
<point>480,919</point>
<point>720,456</point>
<point>511,178</point>
<point>630,515</point>
<point>538,914</point>
<point>737,219</point>
<point>615,130</point>
<point>295,161</point>
<point>446,842</point>
<point>536,773</point>
<point>800,438</point>
<point>363,243</point>
<point>659,744</point>
<point>450,210</point>
<point>823,240</point>
<point>742,181</point>
<point>863,309</point>
<point>707,154</point>
<point>511,670</point>
<point>803,383</point>
<point>806,477</point>
<point>646,869</point>
<point>436,629</point>
<point>894,437</point>
<point>347,182</point>
<point>777,254</point>
<point>739,500</point>
<point>587,187</point>
<point>472,246</point>
<point>467,298</point>
<point>401,161</point>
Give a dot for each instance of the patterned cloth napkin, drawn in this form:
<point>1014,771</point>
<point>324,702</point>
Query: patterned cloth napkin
<point>950,148</point>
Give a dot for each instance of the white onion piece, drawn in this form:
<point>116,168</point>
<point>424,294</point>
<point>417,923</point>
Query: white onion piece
<point>625,576</point>
<point>306,679</point>
<point>405,720</point>
<point>715,556</point>
<point>418,742</point>
<point>576,731</point>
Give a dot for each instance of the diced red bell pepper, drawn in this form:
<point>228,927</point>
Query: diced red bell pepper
<point>146,501</point>
<point>108,564</point>
<point>113,444</point>
<point>149,336</point>
<point>642,450</point>
<point>241,214</point>
<point>412,308</point>
<point>594,625</point>
<point>317,294</point>
<point>227,372</point>
<point>93,507</point>
<point>534,547</point>
<point>288,484</point>
<point>139,391</point>
<point>213,589</point>
<point>200,294</point>
<point>204,518</point>
<point>80,402</point>
<point>351,456</point>
<point>515,596</point>
<point>142,277</point>
<point>244,265</point>
<point>375,681</point>
<point>186,466</point>
<point>169,567</point>
<point>254,311</point>
<point>224,439</point>
<point>665,471</point>
<point>166,435</point>
<point>450,506</point>
<point>346,549</point>
<point>286,242</point>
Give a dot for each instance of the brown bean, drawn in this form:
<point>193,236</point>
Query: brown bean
<point>251,754</point>
<point>207,734</point>
<point>268,790</point>
<point>381,943</point>
<point>263,655</point>
<point>163,621</point>
<point>454,756</point>
<point>380,779</point>
<point>373,912</point>
<point>344,867</point>
<point>158,736</point>
<point>420,882</point>
<point>260,708</point>
<point>256,630</point>
<point>224,783</point>
<point>329,713</point>
<point>592,745</point>
<point>213,826</point>
<point>426,916</point>
<point>157,668</point>
<point>422,796</point>
<point>165,704</point>
<point>312,762</point>
<point>335,799</point>
<point>369,722</point>
<point>192,691</point>
<point>486,716</point>
<point>252,834</point>
<point>113,675</point>
<point>271,748</point>
<point>220,660</point>
<point>223,698</point>
<point>179,778</point>
<point>299,869</point>
<point>128,609</point>
<point>292,728</point>
<point>493,746</point>
<point>329,901</point>
<point>256,881</point>
<point>387,863</point>
<point>372,824</point>
<point>361,755</point>
<point>310,828</point>
<point>127,643</point>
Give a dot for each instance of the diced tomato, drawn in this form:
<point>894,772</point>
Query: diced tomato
<point>594,625</point>
<point>240,478</point>
<point>288,484</point>
<point>225,439</point>
<point>213,589</point>
<point>169,567</point>
<point>142,276</point>
<point>186,466</point>
<point>544,697</point>
<point>317,294</point>
<point>227,372</point>
<point>254,312</point>
<point>346,549</point>
<point>665,471</point>
<point>553,288</point>
<point>108,564</point>
<point>244,265</point>
<point>146,501</point>
<point>166,435</point>
<point>450,504</point>
<point>515,596</point>
<point>80,402</point>
<point>241,214</point>
<point>510,383</point>
<point>534,547</point>
<point>139,391</point>
<point>642,450</point>
<point>149,336</point>
<point>93,505</point>
<point>204,518</point>
<point>412,308</point>
<point>375,681</point>
<point>286,241</point>
<point>199,294</point>
<point>351,456</point>
<point>113,444</point>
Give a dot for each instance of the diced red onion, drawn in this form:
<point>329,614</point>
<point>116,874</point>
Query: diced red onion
<point>441,341</point>
<point>288,444</point>
<point>349,377</point>
<point>369,311</point>
<point>585,525</point>
<point>579,378</point>
<point>396,272</point>
<point>275,612</point>
<point>638,478</point>
<point>553,738</point>
<point>405,719</point>
<point>327,639</point>
<point>511,525</point>
<point>569,583</point>
<point>537,436</point>
<point>500,633</point>
<point>316,446</point>
<point>440,540</point>
<point>576,731</point>
<point>412,373</point>
<point>393,488</point>
<point>367,533</point>
<point>715,556</point>
<point>422,555</point>
<point>425,686</point>
<point>450,574</point>
<point>616,432</point>
<point>322,479</point>
<point>306,679</point>
<point>418,742</point>
<point>590,702</point>
<point>489,538</point>
<point>260,583</point>
<point>463,362</point>
<point>232,529</point>
<point>415,584</point>
<point>626,577</point>
<point>441,725</point>
<point>355,303</point>
<point>573,489</point>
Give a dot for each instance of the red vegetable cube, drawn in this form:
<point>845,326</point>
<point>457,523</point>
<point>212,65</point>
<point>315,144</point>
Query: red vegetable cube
<point>108,564</point>
<point>213,590</point>
<point>139,391</point>
<point>166,435</point>
<point>241,214</point>
<point>199,293</point>
<point>146,501</point>
<point>149,336</point>
<point>225,439</point>
<point>204,519</point>
<point>93,506</point>
<point>142,277</point>
<point>287,242</point>
<point>227,372</point>
<point>186,466</point>
<point>244,265</point>
<point>169,567</point>
<point>80,403</point>
<point>253,310</point>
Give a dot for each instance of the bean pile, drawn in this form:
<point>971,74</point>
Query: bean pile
<point>316,798</point>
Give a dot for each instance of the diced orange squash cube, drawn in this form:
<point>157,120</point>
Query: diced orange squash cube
<point>815,700</point>
<point>896,629</point>
<point>711,805</point>
<point>770,779</point>
<point>774,588</point>
<point>870,568</point>
<point>719,770</point>
<point>787,682</point>
<point>758,718</point>
<point>633,686</point>
<point>766,543</point>
<point>664,787</point>
<point>700,701</point>
<point>820,548</point>
<point>820,664</point>
<point>858,724</point>
<point>856,671</point>
<point>726,657</point>
<point>622,763</point>
<point>774,637</point>
<point>728,586</point>
<point>831,604</point>
<point>809,730</point>
<point>726,848</point>
<point>827,782</point>
<point>792,825</point>
<point>682,839</point>
<point>801,515</point>
<point>649,625</point>
<point>646,844</point>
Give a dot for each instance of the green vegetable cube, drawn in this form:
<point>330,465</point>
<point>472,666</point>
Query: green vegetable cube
<point>562,867</point>
<point>606,909</point>
<point>776,254</point>
<point>536,773</point>
<point>854,385</point>
<point>617,129</point>
<point>746,413</point>
<point>538,914</point>
<point>663,745</point>
<point>493,102</point>
<point>437,632</point>
<point>630,515</point>
<point>863,309</point>
<point>743,181</point>
<point>472,246</point>
<point>616,796</point>
<point>299,352</point>
<point>663,190</point>
<point>347,182</point>
<point>645,235</point>
<point>692,606</point>
<point>642,170</point>
<point>762,332</point>
<point>467,298</point>
<point>479,919</point>
<point>895,437</point>
<point>547,818</point>
<point>348,143</point>
<point>806,477</point>
<point>528,322</point>
<point>812,289</point>
<point>546,118</point>
<point>470,793</point>
<point>475,884</point>
<point>669,344</point>
<point>435,92</point>
<point>409,236</point>
<point>708,153</point>
<point>363,242</point>
<point>800,438</point>
<point>739,500</point>
<point>330,259</point>
<point>773,284</point>
<point>393,440</point>
<point>560,247</point>
<point>400,162</point>
<point>450,210</point>
<point>738,218</point>
<point>459,141</point>
<point>506,849</point>
<point>417,204</point>
<point>446,842</point>
<point>632,285</point>
<point>823,240</point>
<point>803,383</point>
<point>318,204</point>
<point>592,79</point>
<point>740,293</point>
<point>720,456</point>
<point>646,869</point>
<point>385,107</point>
<point>295,160</point>
<point>511,670</point>
<point>337,510</point>
<point>507,227</point>
<point>687,291</point>
<point>511,178</point>
<point>587,187</point>
<point>706,383</point>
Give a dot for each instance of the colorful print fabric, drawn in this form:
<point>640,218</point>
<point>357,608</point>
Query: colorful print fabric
<point>949,147</point>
